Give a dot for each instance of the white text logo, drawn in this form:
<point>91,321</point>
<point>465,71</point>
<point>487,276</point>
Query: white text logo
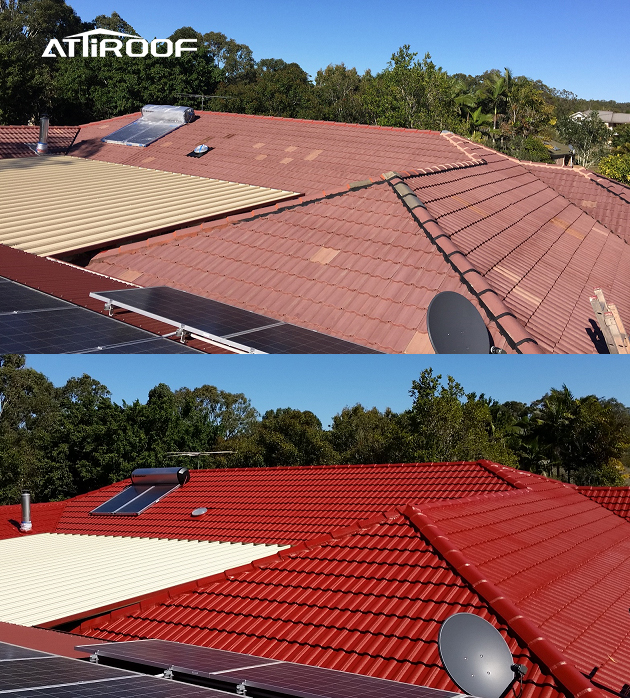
<point>88,45</point>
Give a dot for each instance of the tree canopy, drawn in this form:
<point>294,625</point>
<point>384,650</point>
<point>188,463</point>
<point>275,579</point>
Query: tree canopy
<point>62,441</point>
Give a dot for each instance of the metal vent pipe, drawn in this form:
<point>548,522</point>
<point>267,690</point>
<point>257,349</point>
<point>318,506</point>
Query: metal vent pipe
<point>26,524</point>
<point>42,145</point>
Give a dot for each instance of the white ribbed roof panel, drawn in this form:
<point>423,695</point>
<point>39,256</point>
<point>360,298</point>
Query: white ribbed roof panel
<point>50,576</point>
<point>57,204</point>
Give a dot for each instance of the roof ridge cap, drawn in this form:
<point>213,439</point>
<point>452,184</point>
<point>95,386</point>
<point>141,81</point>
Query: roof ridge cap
<point>511,328</point>
<point>563,669</point>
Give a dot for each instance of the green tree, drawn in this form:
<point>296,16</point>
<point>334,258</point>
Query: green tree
<point>338,94</point>
<point>588,136</point>
<point>616,167</point>
<point>114,22</point>
<point>446,424</point>
<point>359,435</point>
<point>28,414</point>
<point>285,437</point>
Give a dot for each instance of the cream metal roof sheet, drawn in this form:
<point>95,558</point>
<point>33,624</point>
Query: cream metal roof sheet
<point>50,576</point>
<point>57,204</point>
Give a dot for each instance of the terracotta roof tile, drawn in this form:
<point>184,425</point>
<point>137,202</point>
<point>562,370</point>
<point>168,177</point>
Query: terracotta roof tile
<point>369,599</point>
<point>15,140</point>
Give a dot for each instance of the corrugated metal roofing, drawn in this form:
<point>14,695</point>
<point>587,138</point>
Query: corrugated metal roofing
<point>368,600</point>
<point>284,505</point>
<point>55,205</point>
<point>48,577</point>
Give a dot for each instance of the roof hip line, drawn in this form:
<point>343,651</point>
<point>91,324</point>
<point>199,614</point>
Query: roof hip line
<point>529,633</point>
<point>495,308</point>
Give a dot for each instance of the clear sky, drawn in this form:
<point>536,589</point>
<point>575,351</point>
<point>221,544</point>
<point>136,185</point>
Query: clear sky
<point>577,45</point>
<point>327,384</point>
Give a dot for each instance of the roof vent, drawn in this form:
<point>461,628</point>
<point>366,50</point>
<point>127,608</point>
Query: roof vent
<point>26,524</point>
<point>148,486</point>
<point>42,145</point>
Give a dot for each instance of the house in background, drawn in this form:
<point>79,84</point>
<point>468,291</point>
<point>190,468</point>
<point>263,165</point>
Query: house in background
<point>610,118</point>
<point>357,568</point>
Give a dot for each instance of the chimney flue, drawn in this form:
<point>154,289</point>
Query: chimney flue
<point>26,524</point>
<point>42,145</point>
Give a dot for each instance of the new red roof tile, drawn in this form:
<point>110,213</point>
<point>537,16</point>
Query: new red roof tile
<point>562,559</point>
<point>46,517</point>
<point>368,600</point>
<point>616,499</point>
<point>294,503</point>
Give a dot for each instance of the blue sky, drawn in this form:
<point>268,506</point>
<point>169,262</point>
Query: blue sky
<point>576,45</point>
<point>326,384</point>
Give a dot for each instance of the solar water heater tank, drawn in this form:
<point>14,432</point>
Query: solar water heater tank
<point>160,476</point>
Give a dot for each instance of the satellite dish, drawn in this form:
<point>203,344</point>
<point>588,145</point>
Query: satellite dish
<point>455,326</point>
<point>476,657</point>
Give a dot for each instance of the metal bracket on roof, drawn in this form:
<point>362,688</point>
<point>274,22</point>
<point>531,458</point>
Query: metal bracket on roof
<point>183,334</point>
<point>168,673</point>
<point>109,307</point>
<point>94,657</point>
<point>241,689</point>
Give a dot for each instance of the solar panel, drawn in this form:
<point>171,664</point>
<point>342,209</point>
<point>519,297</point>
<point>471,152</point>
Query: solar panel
<point>35,322</point>
<point>258,676</point>
<point>156,121</point>
<point>10,652</point>
<point>134,500</point>
<point>234,327</point>
<point>455,325</point>
<point>26,673</point>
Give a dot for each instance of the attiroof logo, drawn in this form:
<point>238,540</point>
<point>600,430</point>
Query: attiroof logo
<point>134,47</point>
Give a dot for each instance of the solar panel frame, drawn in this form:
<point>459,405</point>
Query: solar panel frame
<point>133,500</point>
<point>32,321</point>
<point>234,327</point>
<point>43,675</point>
<point>271,677</point>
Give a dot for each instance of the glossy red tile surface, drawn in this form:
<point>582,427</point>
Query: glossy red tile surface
<point>367,600</point>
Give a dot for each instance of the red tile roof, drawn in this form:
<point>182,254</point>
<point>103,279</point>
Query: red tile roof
<point>14,139</point>
<point>603,199</point>
<point>616,499</point>
<point>369,599</point>
<point>356,265</point>
<point>305,156</point>
<point>45,517</point>
<point>294,503</point>
<point>561,558</point>
<point>74,284</point>
<point>540,253</point>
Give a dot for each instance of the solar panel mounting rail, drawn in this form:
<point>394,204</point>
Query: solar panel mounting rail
<point>224,324</point>
<point>250,675</point>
